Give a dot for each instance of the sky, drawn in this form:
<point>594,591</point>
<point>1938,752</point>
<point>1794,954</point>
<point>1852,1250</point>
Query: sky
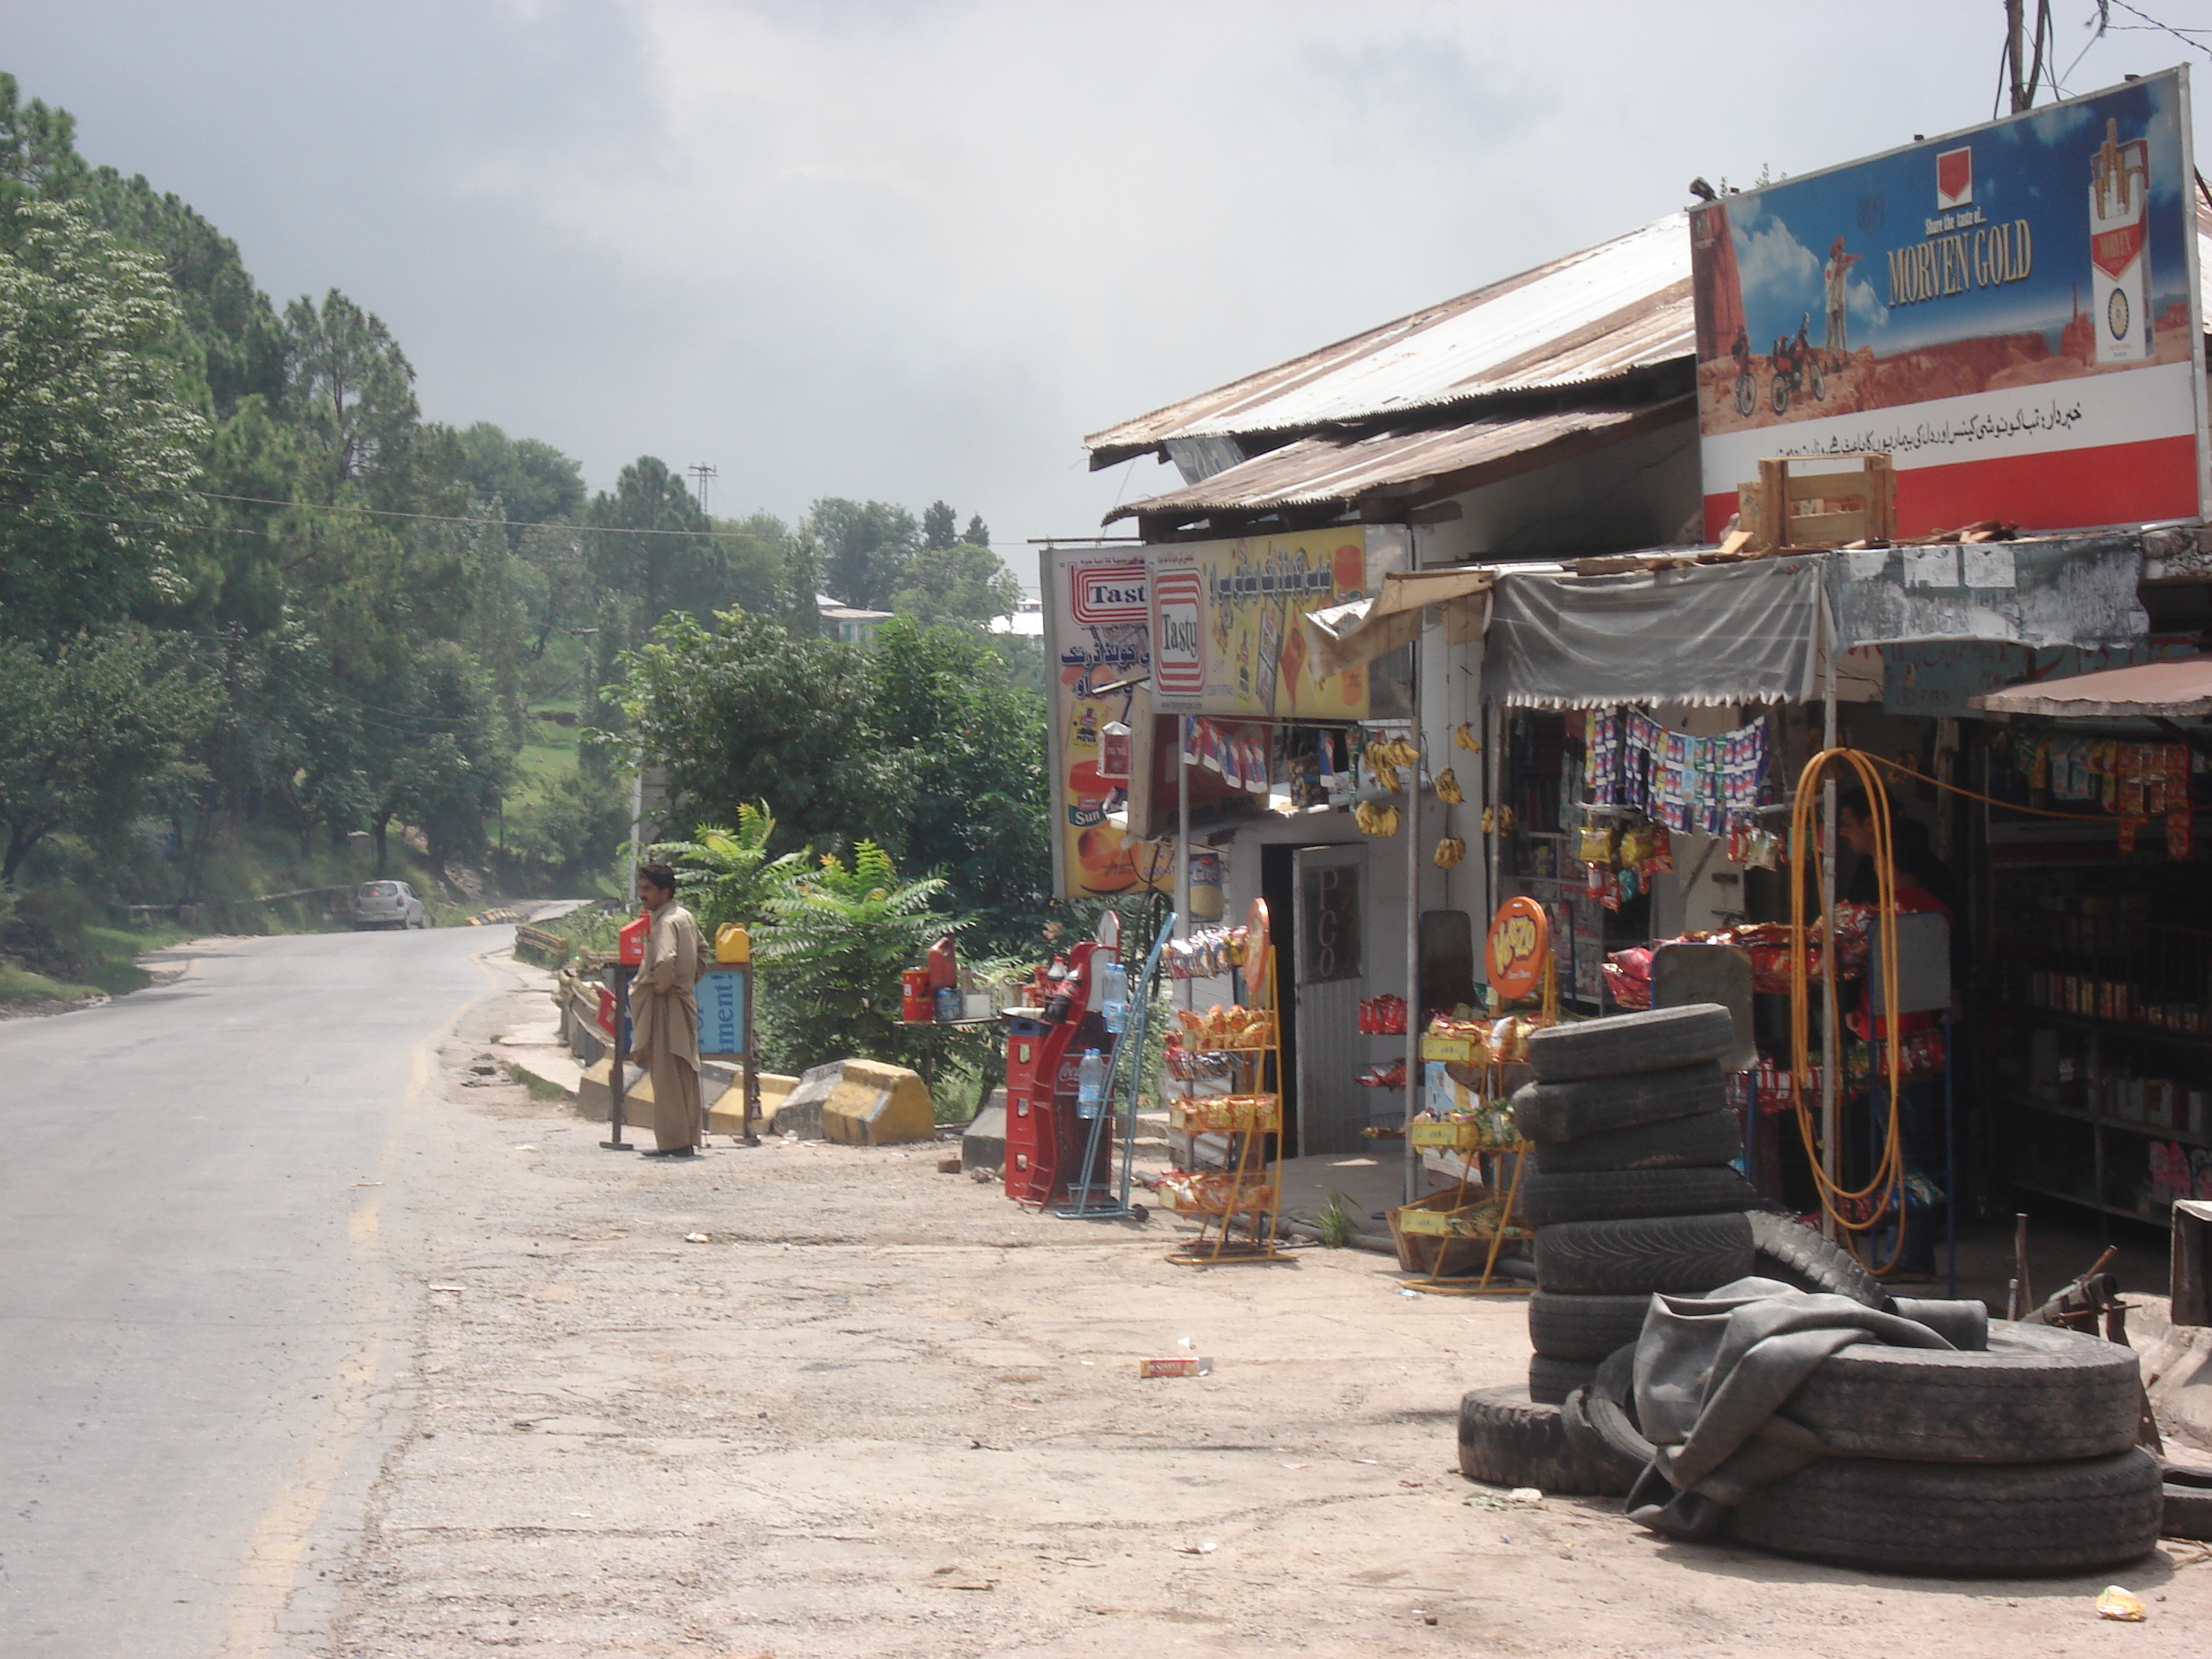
<point>912,251</point>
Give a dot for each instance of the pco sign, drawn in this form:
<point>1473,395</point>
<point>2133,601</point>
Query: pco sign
<point>1520,948</point>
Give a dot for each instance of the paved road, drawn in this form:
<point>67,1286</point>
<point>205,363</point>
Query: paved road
<point>199,1328</point>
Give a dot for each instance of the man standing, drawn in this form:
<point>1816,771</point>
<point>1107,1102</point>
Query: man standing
<point>664,1012</point>
<point>1835,278</point>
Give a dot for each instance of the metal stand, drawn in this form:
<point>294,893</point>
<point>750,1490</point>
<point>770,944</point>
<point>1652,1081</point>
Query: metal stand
<point>1129,1043</point>
<point>618,1064</point>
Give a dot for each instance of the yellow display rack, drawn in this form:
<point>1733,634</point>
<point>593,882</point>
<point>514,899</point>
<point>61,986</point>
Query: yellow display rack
<point>1249,1110</point>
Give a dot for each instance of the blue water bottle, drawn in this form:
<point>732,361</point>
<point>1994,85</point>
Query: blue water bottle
<point>1089,1085</point>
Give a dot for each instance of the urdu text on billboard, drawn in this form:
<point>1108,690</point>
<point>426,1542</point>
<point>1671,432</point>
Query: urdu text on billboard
<point>2010,312</point>
<point>1226,625</point>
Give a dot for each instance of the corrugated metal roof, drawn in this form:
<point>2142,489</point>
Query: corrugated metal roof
<point>1589,316</point>
<point>1316,471</point>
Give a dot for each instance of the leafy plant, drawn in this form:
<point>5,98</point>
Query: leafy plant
<point>830,961</point>
<point>727,875</point>
<point>1338,1221</point>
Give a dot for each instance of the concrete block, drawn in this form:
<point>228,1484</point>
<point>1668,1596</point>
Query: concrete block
<point>799,1112</point>
<point>727,1114</point>
<point>595,1095</point>
<point>872,1104</point>
<point>984,1145</point>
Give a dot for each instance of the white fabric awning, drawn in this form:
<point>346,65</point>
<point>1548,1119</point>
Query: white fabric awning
<point>2150,690</point>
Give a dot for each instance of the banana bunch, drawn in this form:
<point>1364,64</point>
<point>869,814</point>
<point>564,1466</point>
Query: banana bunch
<point>1447,789</point>
<point>1495,821</point>
<point>1449,851</point>
<point>1465,738</point>
<point>1376,820</point>
<point>1394,751</point>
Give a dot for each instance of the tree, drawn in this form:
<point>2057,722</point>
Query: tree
<point>969,750</point>
<point>865,549</point>
<point>746,712</point>
<point>961,583</point>
<point>938,527</point>
<point>96,730</point>
<point>351,392</point>
<point>653,545</point>
<point>533,481</point>
<point>96,445</point>
<point>977,534</point>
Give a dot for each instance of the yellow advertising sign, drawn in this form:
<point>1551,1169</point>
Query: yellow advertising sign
<point>1226,635</point>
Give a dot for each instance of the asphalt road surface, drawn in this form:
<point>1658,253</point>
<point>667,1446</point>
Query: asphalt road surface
<point>200,1340</point>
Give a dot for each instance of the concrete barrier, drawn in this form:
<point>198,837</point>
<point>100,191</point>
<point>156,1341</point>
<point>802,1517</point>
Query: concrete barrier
<point>858,1103</point>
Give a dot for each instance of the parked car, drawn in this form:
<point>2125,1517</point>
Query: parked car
<point>388,904</point>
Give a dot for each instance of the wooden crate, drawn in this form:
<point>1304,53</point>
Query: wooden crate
<point>1787,508</point>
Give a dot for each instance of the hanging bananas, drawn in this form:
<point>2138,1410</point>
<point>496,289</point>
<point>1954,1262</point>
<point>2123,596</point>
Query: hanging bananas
<point>1449,851</point>
<point>1375,819</point>
<point>1447,789</point>
<point>1465,738</point>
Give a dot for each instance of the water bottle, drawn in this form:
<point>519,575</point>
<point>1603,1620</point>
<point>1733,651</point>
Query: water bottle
<point>1090,1083</point>
<point>1115,1005</point>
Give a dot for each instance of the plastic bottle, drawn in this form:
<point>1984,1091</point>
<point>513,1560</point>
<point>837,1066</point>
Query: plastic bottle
<point>1091,1084</point>
<point>1114,993</point>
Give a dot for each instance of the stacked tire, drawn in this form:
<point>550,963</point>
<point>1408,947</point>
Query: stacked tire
<point>2016,1460</point>
<point>1631,1191</point>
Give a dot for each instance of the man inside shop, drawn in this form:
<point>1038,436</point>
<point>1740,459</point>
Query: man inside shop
<point>1917,863</point>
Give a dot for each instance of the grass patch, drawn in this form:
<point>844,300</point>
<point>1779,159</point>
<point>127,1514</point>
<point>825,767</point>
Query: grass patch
<point>21,985</point>
<point>1338,1221</point>
<point>537,1087</point>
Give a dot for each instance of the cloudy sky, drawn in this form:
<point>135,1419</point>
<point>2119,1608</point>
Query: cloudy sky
<point>913,250</point>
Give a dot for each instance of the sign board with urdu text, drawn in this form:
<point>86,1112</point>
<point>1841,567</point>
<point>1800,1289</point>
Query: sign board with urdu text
<point>2010,312</point>
<point>1226,625</point>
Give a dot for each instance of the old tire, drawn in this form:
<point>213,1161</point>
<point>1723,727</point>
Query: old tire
<point>1615,1465</point>
<point>1651,1041</point>
<point>1960,1520</point>
<point>1784,1248</point>
<point>1609,1408</point>
<point>1703,1140</point>
<point>2187,1503</point>
<point>1551,1112</point>
<point>1551,1379</point>
<point>1634,1258</point>
<point>1584,1328</point>
<point>1507,1439</point>
<point>1619,1194</point>
<point>2039,1395</point>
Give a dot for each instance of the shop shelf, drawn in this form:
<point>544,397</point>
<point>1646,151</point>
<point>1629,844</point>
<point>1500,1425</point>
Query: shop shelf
<point>1462,1137</point>
<point>1221,1115</point>
<point>2119,1028</point>
<point>2127,1126</point>
<point>1250,1197</point>
<point>2162,1219</point>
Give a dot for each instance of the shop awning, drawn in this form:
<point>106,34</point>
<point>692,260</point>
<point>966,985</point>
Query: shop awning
<point>2151,690</point>
<point>2045,591</point>
<point>1697,634</point>
<point>1345,636</point>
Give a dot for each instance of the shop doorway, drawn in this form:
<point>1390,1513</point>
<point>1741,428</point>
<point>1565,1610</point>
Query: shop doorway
<point>1329,974</point>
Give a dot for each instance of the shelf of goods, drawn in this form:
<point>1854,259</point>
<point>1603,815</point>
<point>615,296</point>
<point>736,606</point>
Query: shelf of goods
<point>1222,1072</point>
<point>2099,1053</point>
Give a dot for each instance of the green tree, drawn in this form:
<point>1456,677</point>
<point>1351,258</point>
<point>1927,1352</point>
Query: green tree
<point>352,395</point>
<point>745,712</point>
<point>97,732</point>
<point>939,526</point>
<point>96,445</point>
<point>977,534</point>
<point>865,547</point>
<point>533,482</point>
<point>959,583</point>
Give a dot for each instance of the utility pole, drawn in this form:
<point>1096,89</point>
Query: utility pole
<point>2024,57</point>
<point>701,475</point>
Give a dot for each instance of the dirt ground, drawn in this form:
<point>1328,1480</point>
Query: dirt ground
<point>881,1411</point>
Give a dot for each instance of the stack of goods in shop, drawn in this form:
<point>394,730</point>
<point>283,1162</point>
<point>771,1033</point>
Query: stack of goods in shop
<point>1239,753</point>
<point>1390,1076</point>
<point>1464,1037</point>
<point>1714,784</point>
<point>2133,782</point>
<point>1628,973</point>
<point>1221,1112</point>
<point>1208,953</point>
<point>1382,1016</point>
<point>1769,1088</point>
<point>1214,1192</point>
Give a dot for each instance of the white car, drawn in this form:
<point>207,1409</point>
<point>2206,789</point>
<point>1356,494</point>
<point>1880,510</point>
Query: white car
<point>388,904</point>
